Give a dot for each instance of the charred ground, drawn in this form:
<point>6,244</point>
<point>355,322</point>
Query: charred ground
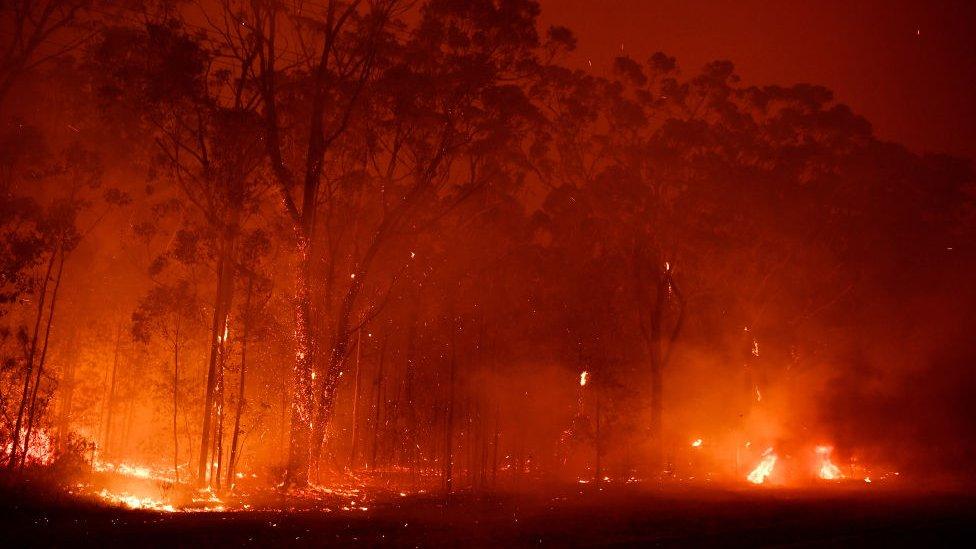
<point>567,516</point>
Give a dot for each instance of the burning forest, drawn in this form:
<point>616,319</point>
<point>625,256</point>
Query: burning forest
<point>428,271</point>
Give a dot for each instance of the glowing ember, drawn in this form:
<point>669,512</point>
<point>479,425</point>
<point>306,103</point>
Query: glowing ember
<point>827,471</point>
<point>764,469</point>
<point>697,443</point>
<point>583,376</point>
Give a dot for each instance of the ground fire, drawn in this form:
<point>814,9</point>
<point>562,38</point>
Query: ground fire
<point>488,272</point>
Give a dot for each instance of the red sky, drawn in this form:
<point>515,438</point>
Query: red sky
<point>908,66</point>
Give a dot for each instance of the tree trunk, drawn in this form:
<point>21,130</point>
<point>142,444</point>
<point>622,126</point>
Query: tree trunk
<point>302,401</point>
<point>599,442</point>
<point>176,393</point>
<point>40,364</point>
<point>657,381</point>
<point>449,425</point>
<point>355,403</point>
<point>329,386</point>
<point>377,405</point>
<point>67,397</point>
<point>25,391</point>
<point>219,412</point>
<point>665,290</point>
<point>232,463</point>
<point>494,445</point>
<point>342,334</point>
<point>110,404</point>
<point>222,301</point>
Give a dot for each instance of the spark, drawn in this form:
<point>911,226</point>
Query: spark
<point>697,443</point>
<point>583,375</point>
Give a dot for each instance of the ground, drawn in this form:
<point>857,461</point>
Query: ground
<point>584,515</point>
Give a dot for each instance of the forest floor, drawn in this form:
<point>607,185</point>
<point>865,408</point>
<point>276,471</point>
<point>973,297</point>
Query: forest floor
<point>584,515</point>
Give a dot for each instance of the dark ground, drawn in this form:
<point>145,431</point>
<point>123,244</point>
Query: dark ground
<point>584,516</point>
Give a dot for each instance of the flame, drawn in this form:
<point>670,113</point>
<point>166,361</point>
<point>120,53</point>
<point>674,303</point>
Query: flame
<point>135,471</point>
<point>134,502</point>
<point>697,443</point>
<point>828,471</point>
<point>764,469</point>
<point>139,472</point>
<point>40,450</point>
<point>583,375</point>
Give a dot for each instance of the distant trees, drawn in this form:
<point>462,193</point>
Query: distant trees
<point>422,196</point>
<point>207,139</point>
<point>168,312</point>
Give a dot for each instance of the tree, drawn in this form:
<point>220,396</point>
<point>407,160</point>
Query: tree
<point>168,312</point>
<point>208,145</point>
<point>36,32</point>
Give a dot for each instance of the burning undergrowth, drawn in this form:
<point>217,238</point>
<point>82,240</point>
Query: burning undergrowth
<point>154,489</point>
